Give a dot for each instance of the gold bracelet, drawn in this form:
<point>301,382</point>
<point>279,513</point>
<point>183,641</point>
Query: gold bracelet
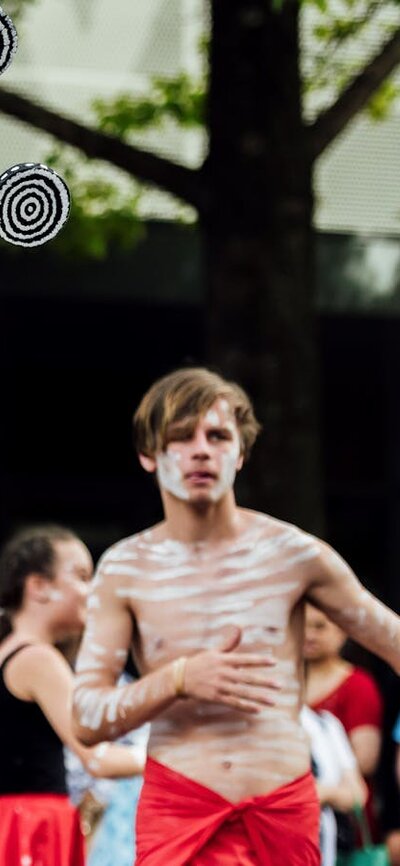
<point>178,672</point>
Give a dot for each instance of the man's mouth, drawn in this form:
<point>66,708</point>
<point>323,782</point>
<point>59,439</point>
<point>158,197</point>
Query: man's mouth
<point>200,475</point>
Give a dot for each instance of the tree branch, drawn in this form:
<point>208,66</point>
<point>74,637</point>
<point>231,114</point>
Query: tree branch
<point>147,167</point>
<point>333,121</point>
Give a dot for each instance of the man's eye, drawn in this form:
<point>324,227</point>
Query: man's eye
<point>218,434</point>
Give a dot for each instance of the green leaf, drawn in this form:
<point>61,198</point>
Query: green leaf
<point>380,105</point>
<point>105,211</point>
<point>176,99</point>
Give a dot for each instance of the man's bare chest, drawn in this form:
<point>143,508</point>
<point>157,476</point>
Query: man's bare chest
<point>183,605</point>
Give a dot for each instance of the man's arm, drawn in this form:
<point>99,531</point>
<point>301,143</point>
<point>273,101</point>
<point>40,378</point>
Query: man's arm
<point>334,588</point>
<point>101,709</point>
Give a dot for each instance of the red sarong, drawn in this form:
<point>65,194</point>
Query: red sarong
<point>40,830</point>
<point>182,823</point>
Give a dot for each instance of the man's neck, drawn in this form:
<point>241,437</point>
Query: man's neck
<point>194,523</point>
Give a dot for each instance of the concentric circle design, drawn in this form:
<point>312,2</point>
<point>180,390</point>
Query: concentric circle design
<point>34,204</point>
<point>8,41</point>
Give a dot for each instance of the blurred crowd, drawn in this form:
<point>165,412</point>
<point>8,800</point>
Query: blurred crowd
<point>44,575</point>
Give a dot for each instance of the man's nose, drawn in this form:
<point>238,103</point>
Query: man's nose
<point>201,445</point>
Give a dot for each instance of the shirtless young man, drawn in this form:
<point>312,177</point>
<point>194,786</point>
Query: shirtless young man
<point>211,601</point>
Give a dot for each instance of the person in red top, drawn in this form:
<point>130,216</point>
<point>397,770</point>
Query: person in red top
<point>349,692</point>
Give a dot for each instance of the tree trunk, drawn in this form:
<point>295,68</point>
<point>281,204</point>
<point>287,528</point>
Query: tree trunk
<point>259,248</point>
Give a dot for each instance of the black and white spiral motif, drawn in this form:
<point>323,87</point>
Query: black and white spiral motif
<point>34,204</point>
<point>8,41</point>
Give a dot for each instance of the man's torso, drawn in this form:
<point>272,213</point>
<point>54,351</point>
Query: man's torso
<point>185,598</point>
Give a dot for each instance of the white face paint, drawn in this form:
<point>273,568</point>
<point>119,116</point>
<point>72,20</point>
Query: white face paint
<point>55,595</point>
<point>169,474</point>
<point>227,473</point>
<point>221,457</point>
<point>212,418</point>
<point>93,602</point>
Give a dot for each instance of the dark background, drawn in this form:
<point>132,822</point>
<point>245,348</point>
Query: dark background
<point>80,344</point>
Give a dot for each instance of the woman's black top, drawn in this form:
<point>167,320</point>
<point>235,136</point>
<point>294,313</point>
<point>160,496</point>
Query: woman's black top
<point>31,753</point>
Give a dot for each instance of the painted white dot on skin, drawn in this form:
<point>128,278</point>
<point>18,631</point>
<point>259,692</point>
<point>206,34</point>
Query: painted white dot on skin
<point>121,654</point>
<point>83,679</point>
<point>213,418</point>
<point>230,426</point>
<point>55,595</point>
<point>101,750</point>
<point>98,649</point>
<point>93,602</point>
<point>224,406</point>
<point>88,661</point>
<point>118,568</point>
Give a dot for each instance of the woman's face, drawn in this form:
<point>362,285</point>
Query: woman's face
<point>68,590</point>
<point>323,639</point>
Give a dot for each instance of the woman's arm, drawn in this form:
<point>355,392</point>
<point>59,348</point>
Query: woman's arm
<point>345,794</point>
<point>40,673</point>
<point>366,742</point>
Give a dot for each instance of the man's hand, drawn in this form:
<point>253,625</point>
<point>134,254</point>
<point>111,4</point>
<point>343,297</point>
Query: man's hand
<point>238,680</point>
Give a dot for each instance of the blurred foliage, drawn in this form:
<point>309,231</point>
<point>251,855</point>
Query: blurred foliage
<point>16,8</point>
<point>337,38</point>
<point>179,99</point>
<point>103,212</point>
<point>383,100</point>
<point>104,208</point>
<point>106,213</point>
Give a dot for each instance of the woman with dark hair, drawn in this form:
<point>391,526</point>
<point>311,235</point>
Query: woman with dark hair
<point>44,572</point>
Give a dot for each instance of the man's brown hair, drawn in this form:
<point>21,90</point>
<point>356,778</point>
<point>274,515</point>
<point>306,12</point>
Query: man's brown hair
<point>184,395</point>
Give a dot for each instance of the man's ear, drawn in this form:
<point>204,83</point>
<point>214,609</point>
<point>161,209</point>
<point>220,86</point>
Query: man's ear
<point>240,462</point>
<point>149,463</point>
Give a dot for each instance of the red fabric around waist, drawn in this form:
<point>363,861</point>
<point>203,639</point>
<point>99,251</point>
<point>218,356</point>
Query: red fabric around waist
<point>40,830</point>
<point>183,823</point>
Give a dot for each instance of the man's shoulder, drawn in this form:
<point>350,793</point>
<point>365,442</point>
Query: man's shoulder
<point>288,534</point>
<point>127,549</point>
